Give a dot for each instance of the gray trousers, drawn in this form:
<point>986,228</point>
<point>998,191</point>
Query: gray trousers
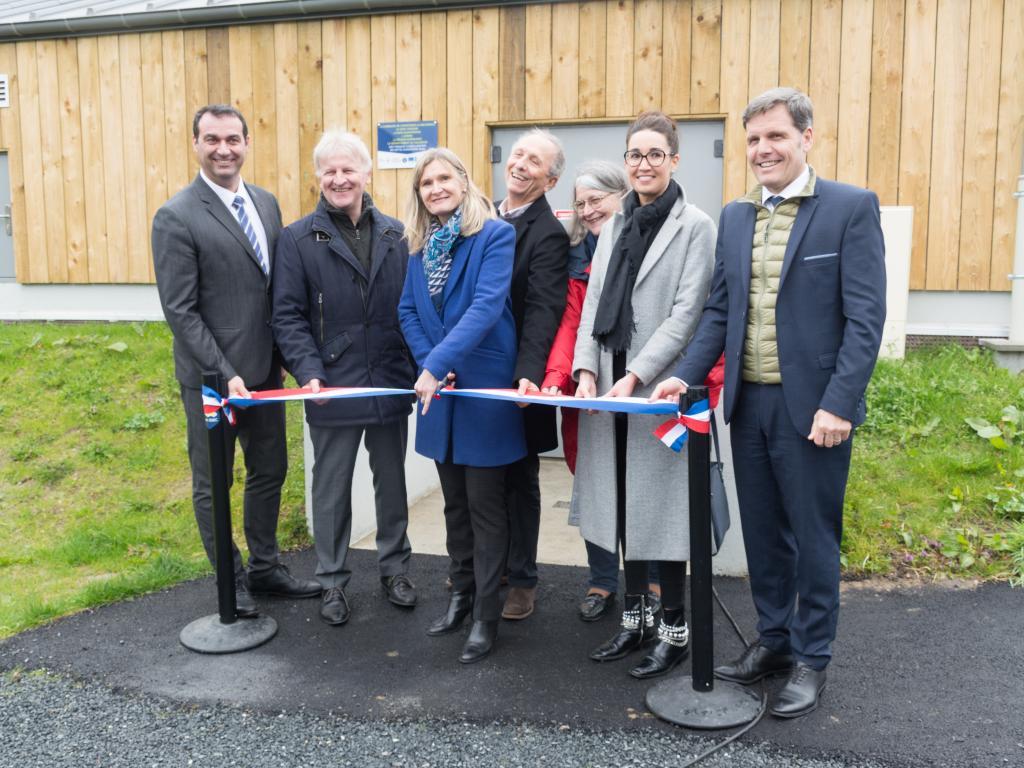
<point>261,432</point>
<point>335,450</point>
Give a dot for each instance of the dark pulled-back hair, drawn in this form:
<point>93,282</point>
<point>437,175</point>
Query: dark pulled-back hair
<point>218,110</point>
<point>659,122</point>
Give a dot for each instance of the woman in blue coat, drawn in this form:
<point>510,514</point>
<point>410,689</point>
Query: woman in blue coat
<point>456,316</point>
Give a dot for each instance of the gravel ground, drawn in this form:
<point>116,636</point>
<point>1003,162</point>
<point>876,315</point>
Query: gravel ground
<point>52,721</point>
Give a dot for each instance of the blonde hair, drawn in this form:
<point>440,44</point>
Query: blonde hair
<point>476,209</point>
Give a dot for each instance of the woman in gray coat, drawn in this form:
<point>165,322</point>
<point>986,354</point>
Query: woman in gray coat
<point>650,277</point>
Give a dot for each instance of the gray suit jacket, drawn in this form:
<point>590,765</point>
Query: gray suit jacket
<point>212,289</point>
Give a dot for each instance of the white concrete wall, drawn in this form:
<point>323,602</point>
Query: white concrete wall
<point>898,231</point>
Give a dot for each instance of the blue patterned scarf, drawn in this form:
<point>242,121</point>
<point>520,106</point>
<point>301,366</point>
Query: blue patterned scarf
<point>437,253</point>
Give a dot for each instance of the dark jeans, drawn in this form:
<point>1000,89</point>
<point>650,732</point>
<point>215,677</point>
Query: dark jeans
<point>604,569</point>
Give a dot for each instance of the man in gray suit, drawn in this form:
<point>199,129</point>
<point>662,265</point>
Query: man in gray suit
<point>212,249</point>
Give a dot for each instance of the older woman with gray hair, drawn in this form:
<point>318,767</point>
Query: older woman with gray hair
<point>338,276</point>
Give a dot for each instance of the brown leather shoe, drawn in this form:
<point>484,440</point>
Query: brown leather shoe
<point>519,603</point>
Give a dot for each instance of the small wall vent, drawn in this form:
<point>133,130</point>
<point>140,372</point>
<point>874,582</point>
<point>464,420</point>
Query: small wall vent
<point>5,93</point>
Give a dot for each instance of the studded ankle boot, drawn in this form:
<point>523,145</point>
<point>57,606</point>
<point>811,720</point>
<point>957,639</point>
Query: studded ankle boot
<point>672,646</point>
<point>636,630</point>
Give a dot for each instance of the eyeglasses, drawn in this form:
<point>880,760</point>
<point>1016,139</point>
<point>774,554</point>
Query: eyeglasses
<point>654,158</point>
<point>581,205</point>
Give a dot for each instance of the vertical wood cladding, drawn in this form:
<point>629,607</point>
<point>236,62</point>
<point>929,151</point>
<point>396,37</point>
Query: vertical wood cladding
<point>921,100</point>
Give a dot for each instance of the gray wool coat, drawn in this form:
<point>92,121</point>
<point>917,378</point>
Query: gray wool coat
<point>668,297</point>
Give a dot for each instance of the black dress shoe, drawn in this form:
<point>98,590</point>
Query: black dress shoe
<point>757,662</point>
<point>480,641</point>
<point>245,604</point>
<point>334,607</point>
<point>278,582</point>
<point>800,693</point>
<point>399,590</point>
<point>637,629</point>
<point>459,606</point>
<point>596,605</point>
<point>672,646</point>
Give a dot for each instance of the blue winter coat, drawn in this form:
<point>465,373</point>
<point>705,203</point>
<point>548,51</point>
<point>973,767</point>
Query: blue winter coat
<point>335,323</point>
<point>474,336</point>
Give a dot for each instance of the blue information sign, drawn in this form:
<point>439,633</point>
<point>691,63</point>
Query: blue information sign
<point>399,145</point>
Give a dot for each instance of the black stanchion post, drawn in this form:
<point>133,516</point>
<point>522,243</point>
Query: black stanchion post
<point>701,628</point>
<point>222,632</point>
<point>217,440</point>
<point>697,700</point>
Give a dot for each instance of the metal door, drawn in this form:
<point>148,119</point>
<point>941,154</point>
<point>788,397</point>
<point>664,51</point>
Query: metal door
<point>700,161</point>
<point>6,238</point>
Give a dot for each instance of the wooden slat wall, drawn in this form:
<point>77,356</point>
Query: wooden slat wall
<point>921,100</point>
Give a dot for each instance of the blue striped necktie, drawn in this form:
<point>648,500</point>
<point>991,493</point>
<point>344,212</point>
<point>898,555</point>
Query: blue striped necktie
<point>243,219</point>
<point>773,201</point>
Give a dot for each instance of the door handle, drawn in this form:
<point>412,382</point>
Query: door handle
<point>6,215</point>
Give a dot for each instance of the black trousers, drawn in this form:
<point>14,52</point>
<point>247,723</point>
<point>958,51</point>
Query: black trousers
<point>522,495</point>
<point>671,575</point>
<point>261,433</point>
<point>476,523</point>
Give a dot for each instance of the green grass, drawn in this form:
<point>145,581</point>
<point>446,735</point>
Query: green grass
<point>95,488</point>
<point>927,495</point>
<point>94,478</point>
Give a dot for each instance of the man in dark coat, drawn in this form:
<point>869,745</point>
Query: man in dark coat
<point>337,281</point>
<point>797,303</point>
<point>539,282</point>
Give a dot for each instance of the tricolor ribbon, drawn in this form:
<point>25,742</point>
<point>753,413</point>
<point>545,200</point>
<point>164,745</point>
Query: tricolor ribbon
<point>213,404</point>
<point>674,431</point>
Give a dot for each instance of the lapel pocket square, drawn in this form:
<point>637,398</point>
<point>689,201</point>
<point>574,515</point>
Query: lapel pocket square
<point>820,256</point>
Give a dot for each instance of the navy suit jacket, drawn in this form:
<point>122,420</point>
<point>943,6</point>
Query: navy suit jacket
<point>830,307</point>
<point>474,336</point>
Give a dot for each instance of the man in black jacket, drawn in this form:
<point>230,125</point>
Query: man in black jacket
<point>539,281</point>
<point>337,280</point>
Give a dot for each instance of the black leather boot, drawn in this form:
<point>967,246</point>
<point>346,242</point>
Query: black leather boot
<point>672,646</point>
<point>459,606</point>
<point>480,641</point>
<point>637,628</point>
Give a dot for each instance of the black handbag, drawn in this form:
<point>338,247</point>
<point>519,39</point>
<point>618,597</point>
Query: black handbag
<point>720,519</point>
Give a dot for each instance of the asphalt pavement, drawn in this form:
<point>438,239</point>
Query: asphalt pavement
<point>928,675</point>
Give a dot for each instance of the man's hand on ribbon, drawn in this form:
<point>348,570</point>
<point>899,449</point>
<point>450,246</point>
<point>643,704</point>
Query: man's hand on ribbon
<point>236,388</point>
<point>669,389</point>
<point>526,387</point>
<point>313,385</point>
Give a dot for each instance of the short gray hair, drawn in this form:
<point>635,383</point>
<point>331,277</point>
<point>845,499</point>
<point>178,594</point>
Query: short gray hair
<point>601,176</point>
<point>338,142</point>
<point>798,104</point>
<point>558,163</point>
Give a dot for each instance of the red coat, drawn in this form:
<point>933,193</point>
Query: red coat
<point>559,367</point>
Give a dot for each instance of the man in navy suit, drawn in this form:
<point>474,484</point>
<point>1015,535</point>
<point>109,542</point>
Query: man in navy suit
<point>797,303</point>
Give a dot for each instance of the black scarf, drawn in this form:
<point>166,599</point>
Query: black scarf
<point>613,323</point>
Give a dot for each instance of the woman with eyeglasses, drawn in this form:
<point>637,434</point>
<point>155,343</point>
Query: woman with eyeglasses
<point>456,315</point>
<point>649,279</point>
<point>598,190</point>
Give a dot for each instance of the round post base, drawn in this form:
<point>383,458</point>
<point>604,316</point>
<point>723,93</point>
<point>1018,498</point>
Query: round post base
<point>727,705</point>
<point>210,635</point>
